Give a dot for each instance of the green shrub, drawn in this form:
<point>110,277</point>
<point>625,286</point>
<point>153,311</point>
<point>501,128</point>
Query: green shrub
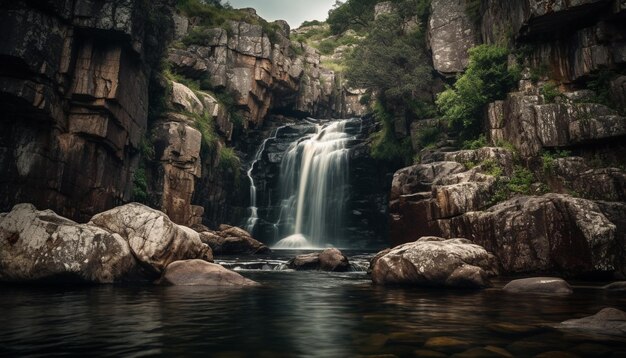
<point>229,161</point>
<point>328,46</point>
<point>311,23</point>
<point>600,84</point>
<point>428,136</point>
<point>486,79</point>
<point>550,91</point>
<point>140,186</point>
<point>540,72</point>
<point>521,181</point>
<point>385,145</point>
<point>548,158</point>
<point>204,124</point>
<point>477,143</point>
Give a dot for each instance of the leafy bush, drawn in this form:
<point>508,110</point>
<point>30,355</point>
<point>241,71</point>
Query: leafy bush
<point>204,124</point>
<point>311,23</point>
<point>428,136</point>
<point>478,143</point>
<point>521,181</point>
<point>385,145</point>
<point>229,161</point>
<point>550,91</point>
<point>486,79</point>
<point>548,158</point>
<point>600,84</point>
<point>140,186</point>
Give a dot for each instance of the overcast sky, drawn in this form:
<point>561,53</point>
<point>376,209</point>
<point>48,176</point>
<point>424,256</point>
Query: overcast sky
<point>293,11</point>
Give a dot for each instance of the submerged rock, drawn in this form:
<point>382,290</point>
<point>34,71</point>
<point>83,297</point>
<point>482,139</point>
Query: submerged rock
<point>231,240</point>
<point>609,321</point>
<point>202,273</point>
<point>544,285</point>
<point>331,260</point>
<point>433,261</point>
<point>41,245</point>
<point>153,238</point>
<point>616,286</point>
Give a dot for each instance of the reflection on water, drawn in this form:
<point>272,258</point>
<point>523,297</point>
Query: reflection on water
<point>292,314</point>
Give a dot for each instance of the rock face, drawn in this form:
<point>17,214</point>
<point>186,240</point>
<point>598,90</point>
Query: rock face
<point>436,262</point>
<point>41,245</point>
<point>532,124</point>
<point>74,107</point>
<point>230,240</point>
<point>451,33</point>
<point>584,44</point>
<point>132,242</point>
<point>609,322</point>
<point>153,238</point>
<point>552,232</point>
<point>543,285</point>
<point>265,71</point>
<point>331,260</point>
<point>202,273</point>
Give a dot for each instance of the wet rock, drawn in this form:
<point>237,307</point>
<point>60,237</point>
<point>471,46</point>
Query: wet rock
<point>153,238</point>
<point>556,354</point>
<point>478,352</point>
<point>202,273</point>
<point>607,322</point>
<point>447,344</point>
<point>433,261</point>
<point>43,246</point>
<point>616,286</point>
<point>428,353</point>
<point>510,329</point>
<point>542,285</point>
<point>231,240</point>
<point>328,260</point>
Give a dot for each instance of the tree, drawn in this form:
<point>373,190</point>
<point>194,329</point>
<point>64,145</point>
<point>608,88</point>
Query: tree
<point>487,78</point>
<point>390,63</point>
<point>353,14</point>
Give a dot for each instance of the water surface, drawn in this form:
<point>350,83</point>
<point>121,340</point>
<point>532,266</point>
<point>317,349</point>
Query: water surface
<point>304,314</point>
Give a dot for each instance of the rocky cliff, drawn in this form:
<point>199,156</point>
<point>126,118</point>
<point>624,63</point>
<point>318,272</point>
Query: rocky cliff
<point>553,199</point>
<point>74,93</point>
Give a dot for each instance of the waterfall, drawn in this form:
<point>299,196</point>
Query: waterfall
<point>313,182</point>
<point>254,211</point>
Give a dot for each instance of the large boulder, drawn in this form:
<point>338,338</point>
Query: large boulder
<point>231,240</point>
<point>542,285</point>
<point>331,260</point>
<point>608,322</point>
<point>41,245</point>
<point>153,238</point>
<point>436,262</point>
<point>202,273</point>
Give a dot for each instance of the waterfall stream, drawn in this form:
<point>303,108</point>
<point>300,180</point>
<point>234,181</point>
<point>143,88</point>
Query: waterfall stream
<point>303,188</point>
<point>313,181</point>
<point>254,211</point>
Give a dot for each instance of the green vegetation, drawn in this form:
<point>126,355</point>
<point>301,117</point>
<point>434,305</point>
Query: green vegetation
<point>472,9</point>
<point>311,23</point>
<point>540,72</point>
<point>213,14</point>
<point>550,91</point>
<point>353,14</point>
<point>548,158</point>
<point>429,136</point>
<point>385,145</point>
<point>229,161</point>
<point>600,84</point>
<point>204,124</point>
<point>487,78</point>
<point>140,186</point>
<point>477,143</point>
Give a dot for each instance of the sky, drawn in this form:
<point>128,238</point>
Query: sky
<point>293,11</point>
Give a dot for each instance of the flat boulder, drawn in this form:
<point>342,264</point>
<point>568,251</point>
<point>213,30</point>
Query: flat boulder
<point>231,240</point>
<point>541,285</point>
<point>331,260</point>
<point>43,246</point>
<point>436,262</point>
<point>202,273</point>
<point>153,238</point>
<point>607,322</point>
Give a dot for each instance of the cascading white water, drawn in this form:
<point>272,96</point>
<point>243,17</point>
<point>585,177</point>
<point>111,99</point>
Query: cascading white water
<point>314,179</point>
<point>254,211</point>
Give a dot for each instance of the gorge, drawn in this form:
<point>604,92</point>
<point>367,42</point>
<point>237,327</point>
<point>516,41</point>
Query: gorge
<point>407,178</point>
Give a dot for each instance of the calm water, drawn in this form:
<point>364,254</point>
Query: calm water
<point>292,314</point>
